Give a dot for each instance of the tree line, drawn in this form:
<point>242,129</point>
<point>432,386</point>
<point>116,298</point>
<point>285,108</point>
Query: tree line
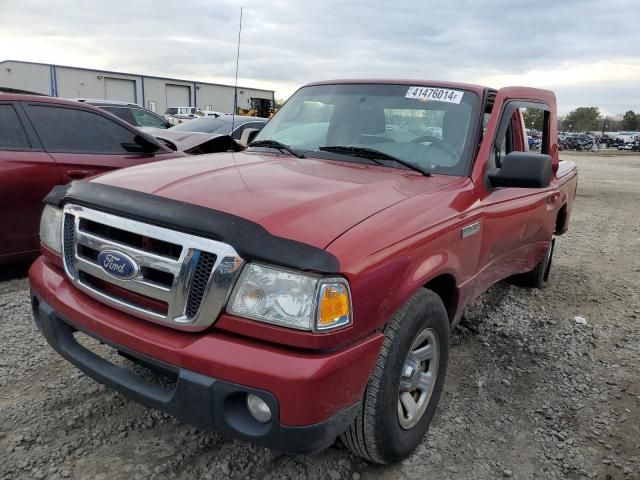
<point>586,119</point>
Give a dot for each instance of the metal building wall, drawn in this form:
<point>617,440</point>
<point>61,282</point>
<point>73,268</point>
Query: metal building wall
<point>155,90</point>
<point>220,97</point>
<point>71,82</point>
<point>76,82</point>
<point>178,95</point>
<point>121,89</point>
<point>33,77</point>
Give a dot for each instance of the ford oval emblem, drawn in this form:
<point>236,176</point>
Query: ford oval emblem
<point>117,264</point>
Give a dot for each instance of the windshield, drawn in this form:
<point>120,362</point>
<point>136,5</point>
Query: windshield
<point>205,125</point>
<point>428,127</point>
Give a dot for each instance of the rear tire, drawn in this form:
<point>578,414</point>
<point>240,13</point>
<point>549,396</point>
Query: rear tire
<point>539,276</point>
<point>419,329</point>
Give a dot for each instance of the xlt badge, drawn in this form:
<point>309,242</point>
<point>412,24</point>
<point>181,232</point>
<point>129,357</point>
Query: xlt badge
<point>470,229</point>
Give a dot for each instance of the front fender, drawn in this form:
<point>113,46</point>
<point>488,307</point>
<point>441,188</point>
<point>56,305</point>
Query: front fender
<point>380,289</point>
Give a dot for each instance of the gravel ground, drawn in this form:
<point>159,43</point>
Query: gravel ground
<point>530,393</point>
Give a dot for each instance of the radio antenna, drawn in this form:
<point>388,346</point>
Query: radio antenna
<point>235,89</point>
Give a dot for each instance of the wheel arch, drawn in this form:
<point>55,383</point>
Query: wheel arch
<point>445,286</point>
<point>561,220</point>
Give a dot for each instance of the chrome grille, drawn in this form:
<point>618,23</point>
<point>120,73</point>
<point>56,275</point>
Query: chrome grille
<point>182,280</point>
<point>67,242</point>
<point>201,276</point>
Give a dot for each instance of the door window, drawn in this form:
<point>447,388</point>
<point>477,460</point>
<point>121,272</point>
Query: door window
<point>12,135</point>
<point>536,122</point>
<point>146,119</point>
<point>122,113</point>
<point>78,131</point>
<point>504,146</point>
<point>527,130</point>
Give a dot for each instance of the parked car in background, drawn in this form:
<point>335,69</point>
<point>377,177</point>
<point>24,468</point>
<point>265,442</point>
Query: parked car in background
<point>212,113</point>
<point>534,143</point>
<point>632,145</point>
<point>177,115</point>
<point>132,113</point>
<point>566,142</point>
<point>232,125</point>
<point>588,144</point>
<point>628,141</point>
<point>46,141</point>
<point>574,140</point>
<point>194,136</point>
<point>608,141</point>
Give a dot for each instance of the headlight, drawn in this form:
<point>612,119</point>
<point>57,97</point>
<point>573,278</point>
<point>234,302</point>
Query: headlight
<point>291,299</point>
<point>51,228</point>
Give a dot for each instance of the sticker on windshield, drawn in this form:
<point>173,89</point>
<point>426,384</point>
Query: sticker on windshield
<point>437,94</point>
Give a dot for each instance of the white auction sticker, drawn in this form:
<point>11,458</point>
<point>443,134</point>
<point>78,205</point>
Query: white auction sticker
<point>437,94</point>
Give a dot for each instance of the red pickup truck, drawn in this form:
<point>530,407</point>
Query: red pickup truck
<point>304,289</point>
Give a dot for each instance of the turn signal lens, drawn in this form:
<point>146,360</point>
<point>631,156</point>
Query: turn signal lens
<point>334,306</point>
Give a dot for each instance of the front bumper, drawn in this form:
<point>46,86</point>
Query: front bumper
<point>197,399</point>
<point>313,395</point>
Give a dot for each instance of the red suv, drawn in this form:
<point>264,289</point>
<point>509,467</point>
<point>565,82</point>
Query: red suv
<point>47,141</point>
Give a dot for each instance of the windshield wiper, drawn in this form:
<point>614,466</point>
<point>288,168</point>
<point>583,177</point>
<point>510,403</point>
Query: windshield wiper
<point>276,144</point>
<point>371,154</point>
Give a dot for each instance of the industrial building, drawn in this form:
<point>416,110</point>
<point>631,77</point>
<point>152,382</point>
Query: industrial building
<point>154,93</point>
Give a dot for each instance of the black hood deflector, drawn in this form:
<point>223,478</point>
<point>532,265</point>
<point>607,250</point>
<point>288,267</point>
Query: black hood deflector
<point>248,238</point>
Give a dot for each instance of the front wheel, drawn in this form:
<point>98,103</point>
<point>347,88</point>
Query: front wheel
<point>405,386</point>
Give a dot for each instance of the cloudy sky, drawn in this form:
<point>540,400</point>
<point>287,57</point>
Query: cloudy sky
<point>588,52</point>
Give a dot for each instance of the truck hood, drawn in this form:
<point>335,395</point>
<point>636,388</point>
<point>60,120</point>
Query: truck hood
<point>308,200</point>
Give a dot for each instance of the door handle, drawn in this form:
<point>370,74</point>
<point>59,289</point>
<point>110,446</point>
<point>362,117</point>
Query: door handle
<point>78,174</point>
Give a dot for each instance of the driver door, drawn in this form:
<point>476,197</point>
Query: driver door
<point>516,223</point>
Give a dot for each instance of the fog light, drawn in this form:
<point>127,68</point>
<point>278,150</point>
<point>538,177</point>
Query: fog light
<point>258,408</point>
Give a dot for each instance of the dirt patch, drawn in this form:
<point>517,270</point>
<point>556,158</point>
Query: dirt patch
<point>530,392</point>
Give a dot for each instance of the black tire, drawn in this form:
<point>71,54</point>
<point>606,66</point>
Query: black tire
<point>539,276</point>
<point>376,434</point>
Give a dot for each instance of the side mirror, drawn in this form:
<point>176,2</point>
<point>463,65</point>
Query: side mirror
<point>523,170</point>
<point>143,143</point>
<point>248,134</point>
